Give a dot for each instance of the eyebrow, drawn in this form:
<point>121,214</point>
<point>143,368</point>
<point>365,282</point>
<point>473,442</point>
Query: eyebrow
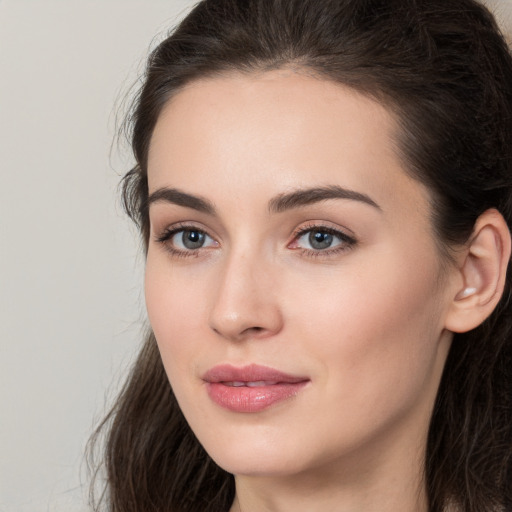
<point>175,196</point>
<point>278,204</point>
<point>303,197</point>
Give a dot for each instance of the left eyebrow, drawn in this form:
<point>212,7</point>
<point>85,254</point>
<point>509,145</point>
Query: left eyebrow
<point>304,197</point>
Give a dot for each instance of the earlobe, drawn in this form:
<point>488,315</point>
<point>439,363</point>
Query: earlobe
<point>483,271</point>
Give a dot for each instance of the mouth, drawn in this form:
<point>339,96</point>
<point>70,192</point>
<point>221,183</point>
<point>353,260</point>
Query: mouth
<point>255,384</point>
<point>252,388</point>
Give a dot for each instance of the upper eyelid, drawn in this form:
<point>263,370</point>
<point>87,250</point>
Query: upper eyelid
<point>180,226</point>
<point>345,232</point>
<point>344,238</point>
<point>319,227</point>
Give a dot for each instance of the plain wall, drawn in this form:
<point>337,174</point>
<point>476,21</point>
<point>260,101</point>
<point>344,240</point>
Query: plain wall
<point>71,308</point>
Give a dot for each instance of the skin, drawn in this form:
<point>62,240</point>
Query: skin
<point>367,324</point>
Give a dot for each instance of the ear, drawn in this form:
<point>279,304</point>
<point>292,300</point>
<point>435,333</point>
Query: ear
<point>481,273</point>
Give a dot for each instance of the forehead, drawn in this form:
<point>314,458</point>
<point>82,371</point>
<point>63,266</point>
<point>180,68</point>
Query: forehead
<point>276,131</point>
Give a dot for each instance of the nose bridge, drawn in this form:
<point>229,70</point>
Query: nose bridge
<point>244,302</point>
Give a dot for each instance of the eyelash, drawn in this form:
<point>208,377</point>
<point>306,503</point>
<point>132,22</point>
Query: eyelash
<point>347,242</point>
<point>170,232</point>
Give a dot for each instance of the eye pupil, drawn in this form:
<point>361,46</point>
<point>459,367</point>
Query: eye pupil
<point>320,239</point>
<point>193,239</point>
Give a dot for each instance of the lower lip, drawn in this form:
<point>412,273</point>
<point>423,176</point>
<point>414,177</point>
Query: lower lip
<point>251,399</point>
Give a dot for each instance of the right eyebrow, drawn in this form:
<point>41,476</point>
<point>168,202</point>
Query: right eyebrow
<point>175,196</point>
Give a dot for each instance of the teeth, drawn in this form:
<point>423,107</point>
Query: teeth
<point>255,384</point>
<point>260,383</point>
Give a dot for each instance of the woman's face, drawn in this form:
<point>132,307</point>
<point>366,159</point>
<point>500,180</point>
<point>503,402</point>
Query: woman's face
<point>293,281</point>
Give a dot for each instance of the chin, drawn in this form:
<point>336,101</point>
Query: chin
<point>261,451</point>
<point>250,463</point>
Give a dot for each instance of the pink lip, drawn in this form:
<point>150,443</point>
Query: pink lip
<point>251,388</point>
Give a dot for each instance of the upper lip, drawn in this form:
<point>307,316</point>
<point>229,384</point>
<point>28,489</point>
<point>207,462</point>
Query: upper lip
<point>249,373</point>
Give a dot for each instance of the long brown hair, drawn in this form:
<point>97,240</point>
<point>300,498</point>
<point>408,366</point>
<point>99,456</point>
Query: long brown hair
<point>444,69</point>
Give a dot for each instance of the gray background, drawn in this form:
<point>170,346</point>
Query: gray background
<point>71,308</point>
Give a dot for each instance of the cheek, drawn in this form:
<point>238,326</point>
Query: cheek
<point>375,328</point>
<point>174,310</point>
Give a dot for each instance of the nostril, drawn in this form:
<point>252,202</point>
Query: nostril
<point>254,331</point>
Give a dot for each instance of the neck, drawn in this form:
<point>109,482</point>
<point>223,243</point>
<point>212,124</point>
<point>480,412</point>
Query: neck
<point>362,482</point>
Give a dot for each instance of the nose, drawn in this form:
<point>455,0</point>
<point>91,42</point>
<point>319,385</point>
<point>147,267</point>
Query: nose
<point>245,303</point>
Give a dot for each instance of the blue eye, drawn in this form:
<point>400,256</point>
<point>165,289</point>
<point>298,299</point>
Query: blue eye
<point>186,240</point>
<point>190,239</point>
<point>320,238</point>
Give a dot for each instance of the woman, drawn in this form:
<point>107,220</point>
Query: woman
<point>324,194</point>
